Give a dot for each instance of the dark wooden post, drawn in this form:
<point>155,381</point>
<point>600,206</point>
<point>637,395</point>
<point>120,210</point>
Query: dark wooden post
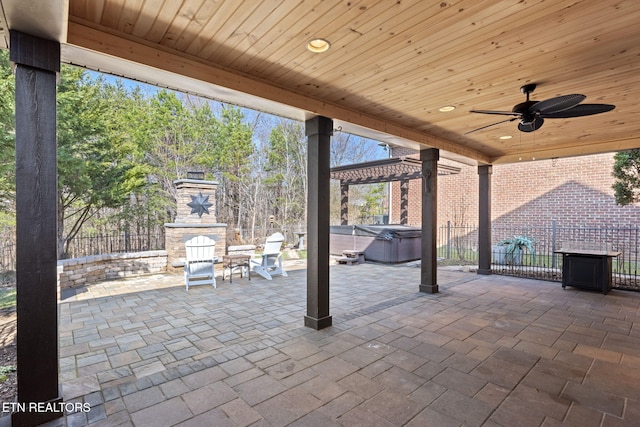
<point>318,131</point>
<point>428,268</point>
<point>344,203</point>
<point>37,61</point>
<point>404,201</point>
<point>484,219</point>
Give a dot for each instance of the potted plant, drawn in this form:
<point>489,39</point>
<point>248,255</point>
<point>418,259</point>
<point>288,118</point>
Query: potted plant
<point>509,251</point>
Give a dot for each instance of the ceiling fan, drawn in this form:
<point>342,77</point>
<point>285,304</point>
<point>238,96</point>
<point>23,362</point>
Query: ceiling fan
<point>532,113</point>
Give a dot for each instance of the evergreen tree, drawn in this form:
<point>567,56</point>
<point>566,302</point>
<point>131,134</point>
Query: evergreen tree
<point>7,136</point>
<point>97,165</point>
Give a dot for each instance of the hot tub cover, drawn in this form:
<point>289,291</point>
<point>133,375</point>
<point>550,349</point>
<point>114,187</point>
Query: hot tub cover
<point>380,232</point>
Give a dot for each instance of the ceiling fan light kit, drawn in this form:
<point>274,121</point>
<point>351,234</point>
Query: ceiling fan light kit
<point>531,114</point>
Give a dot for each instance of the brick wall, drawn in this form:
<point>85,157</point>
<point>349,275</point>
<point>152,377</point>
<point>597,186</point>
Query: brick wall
<point>570,191</point>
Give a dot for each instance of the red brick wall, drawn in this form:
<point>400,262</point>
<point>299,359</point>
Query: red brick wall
<point>571,191</point>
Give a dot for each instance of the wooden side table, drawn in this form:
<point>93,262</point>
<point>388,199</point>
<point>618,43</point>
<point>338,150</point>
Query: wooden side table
<point>235,261</point>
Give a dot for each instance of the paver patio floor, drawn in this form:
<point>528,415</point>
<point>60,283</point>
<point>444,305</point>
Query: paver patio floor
<point>486,350</point>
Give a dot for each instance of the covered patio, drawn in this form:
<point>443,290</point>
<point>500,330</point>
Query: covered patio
<point>392,70</point>
<point>486,350</point>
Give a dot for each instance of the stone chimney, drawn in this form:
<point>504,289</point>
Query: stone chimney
<point>196,215</point>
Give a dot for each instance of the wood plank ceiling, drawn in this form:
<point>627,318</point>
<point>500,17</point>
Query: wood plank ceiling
<point>391,65</point>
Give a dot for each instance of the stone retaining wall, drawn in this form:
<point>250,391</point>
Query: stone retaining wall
<point>81,271</point>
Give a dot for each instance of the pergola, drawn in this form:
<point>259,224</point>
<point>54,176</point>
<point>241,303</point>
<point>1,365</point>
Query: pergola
<point>400,169</point>
<point>405,73</point>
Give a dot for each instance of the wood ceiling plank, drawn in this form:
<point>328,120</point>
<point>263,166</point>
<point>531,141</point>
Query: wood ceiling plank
<point>568,81</point>
<point>384,41</point>
<point>185,24</point>
<point>321,21</point>
<point>206,37</point>
<point>290,28</point>
<point>347,35</point>
<point>225,31</point>
<point>600,49</point>
<point>129,15</point>
<point>194,33</point>
<point>245,31</point>
<point>111,13</point>
<point>477,52</point>
<point>148,15</point>
<point>375,58</point>
<point>253,40</point>
<point>346,26</point>
<point>88,10</point>
<point>164,17</point>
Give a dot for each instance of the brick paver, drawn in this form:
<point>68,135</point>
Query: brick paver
<point>486,350</point>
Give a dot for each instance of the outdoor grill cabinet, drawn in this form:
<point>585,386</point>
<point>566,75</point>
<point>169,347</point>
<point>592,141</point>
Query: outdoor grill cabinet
<point>587,269</point>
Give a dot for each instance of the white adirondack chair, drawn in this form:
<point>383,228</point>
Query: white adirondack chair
<point>200,259</point>
<point>270,263</point>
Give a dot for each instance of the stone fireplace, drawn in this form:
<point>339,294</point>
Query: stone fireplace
<point>195,216</point>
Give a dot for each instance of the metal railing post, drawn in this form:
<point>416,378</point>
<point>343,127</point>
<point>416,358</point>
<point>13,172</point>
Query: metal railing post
<point>553,243</point>
<point>448,239</point>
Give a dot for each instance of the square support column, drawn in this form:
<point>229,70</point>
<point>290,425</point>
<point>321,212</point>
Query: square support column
<point>428,268</point>
<point>37,61</point>
<point>484,219</point>
<point>318,131</point>
<point>344,203</point>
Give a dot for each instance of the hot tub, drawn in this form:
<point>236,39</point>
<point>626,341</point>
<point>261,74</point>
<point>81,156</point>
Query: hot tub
<point>380,243</point>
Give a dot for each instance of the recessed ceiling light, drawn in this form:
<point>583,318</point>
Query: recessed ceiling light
<point>506,137</point>
<point>318,45</point>
<point>447,108</point>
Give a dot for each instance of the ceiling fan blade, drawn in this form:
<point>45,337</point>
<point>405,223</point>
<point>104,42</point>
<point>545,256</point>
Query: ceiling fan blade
<point>559,103</point>
<point>502,113</point>
<point>492,124</point>
<point>579,111</point>
<point>531,126</point>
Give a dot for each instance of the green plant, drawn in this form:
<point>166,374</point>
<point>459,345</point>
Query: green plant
<point>7,298</point>
<point>4,370</point>
<point>517,243</point>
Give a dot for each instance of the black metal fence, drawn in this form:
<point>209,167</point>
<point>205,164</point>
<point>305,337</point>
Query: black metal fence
<point>89,244</point>
<point>456,244</point>
<point>460,244</point>
<point>94,244</point>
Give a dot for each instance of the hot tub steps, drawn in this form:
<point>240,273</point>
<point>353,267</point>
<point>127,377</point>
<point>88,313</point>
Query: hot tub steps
<point>351,257</point>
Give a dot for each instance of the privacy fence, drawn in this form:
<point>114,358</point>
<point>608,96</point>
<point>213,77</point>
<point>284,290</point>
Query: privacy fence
<point>460,244</point>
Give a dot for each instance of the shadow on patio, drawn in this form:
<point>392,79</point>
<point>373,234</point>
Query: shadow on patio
<point>486,350</point>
